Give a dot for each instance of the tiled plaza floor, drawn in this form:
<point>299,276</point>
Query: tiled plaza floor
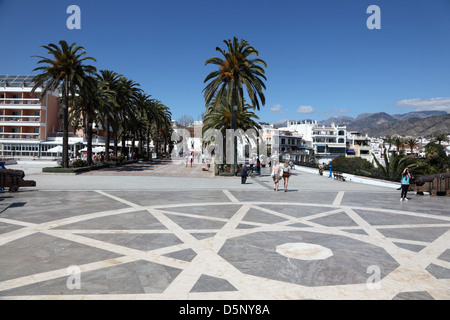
<point>219,240</point>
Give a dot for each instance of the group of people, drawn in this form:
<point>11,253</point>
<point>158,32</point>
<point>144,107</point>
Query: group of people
<point>278,172</point>
<point>189,158</point>
<point>281,172</point>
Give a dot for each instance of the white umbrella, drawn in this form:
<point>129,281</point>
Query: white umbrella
<point>56,149</point>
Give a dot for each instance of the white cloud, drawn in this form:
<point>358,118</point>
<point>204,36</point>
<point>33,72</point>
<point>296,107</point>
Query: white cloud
<point>438,104</point>
<point>305,109</point>
<point>278,108</point>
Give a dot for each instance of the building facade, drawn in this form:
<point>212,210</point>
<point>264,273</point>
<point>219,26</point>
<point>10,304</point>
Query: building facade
<point>29,123</point>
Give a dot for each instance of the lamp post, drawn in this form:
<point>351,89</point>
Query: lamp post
<point>331,175</point>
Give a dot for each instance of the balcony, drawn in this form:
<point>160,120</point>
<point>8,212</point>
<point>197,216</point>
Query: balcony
<point>9,120</point>
<point>18,103</point>
<point>18,135</point>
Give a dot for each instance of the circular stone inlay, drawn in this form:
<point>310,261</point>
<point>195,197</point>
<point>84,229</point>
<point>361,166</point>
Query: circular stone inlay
<point>304,251</point>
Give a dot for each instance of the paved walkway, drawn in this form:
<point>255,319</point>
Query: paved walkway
<point>162,235</point>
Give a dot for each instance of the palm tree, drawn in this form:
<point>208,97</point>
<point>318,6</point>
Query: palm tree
<point>398,143</point>
<point>86,107</point>
<point>65,70</point>
<point>411,142</point>
<point>236,71</point>
<point>440,137</point>
<point>219,117</point>
<point>109,80</point>
<point>126,104</point>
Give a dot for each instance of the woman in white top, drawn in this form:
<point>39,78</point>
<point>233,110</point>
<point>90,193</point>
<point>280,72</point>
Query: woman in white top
<point>276,175</point>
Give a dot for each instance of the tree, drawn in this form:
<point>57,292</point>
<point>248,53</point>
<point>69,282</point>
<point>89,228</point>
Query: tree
<point>398,143</point>
<point>411,142</point>
<point>185,120</point>
<point>65,70</point>
<point>440,137</point>
<point>109,80</point>
<point>236,71</point>
<point>85,107</point>
<point>436,157</point>
<point>219,118</point>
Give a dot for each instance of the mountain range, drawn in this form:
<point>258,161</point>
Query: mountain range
<point>417,123</point>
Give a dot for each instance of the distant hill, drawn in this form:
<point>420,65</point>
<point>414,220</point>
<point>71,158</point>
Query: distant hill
<point>418,123</point>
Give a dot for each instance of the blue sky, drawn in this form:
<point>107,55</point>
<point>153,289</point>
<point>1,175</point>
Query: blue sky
<point>322,59</point>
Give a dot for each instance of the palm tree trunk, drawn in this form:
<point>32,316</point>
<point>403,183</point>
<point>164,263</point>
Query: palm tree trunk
<point>234,102</point>
<point>89,140</point>
<point>106,139</point>
<point>66,124</point>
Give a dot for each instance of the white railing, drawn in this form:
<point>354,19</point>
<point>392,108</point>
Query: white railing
<point>19,101</point>
<point>8,118</point>
<point>18,135</point>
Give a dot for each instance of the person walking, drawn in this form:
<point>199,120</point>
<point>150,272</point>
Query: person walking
<point>286,174</point>
<point>276,175</point>
<point>405,180</point>
<point>244,174</point>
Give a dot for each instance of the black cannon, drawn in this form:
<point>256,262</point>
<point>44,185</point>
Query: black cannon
<point>433,184</point>
<point>13,179</point>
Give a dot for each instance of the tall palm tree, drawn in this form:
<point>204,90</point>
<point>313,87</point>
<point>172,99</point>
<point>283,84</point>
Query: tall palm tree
<point>398,143</point>
<point>126,103</point>
<point>86,106</point>
<point>236,71</point>
<point>220,118</point>
<point>109,80</point>
<point>411,142</point>
<point>65,70</point>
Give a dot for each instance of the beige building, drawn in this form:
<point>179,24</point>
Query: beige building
<point>29,125</point>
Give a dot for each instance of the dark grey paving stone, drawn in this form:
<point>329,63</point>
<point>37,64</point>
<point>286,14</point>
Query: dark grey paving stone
<point>212,284</point>
<point>44,206</point>
<point>245,226</point>
<point>217,211</point>
<point>139,220</point>
<point>421,204</point>
<point>195,223</point>
<point>296,211</point>
<point>255,254</point>
<point>428,234</point>
<point>285,197</point>
<point>355,231</point>
<point>39,252</point>
<point>445,255</point>
<point>299,225</point>
<point>388,218</point>
<point>339,219</point>
<point>410,247</point>
<point>129,278</point>
<point>415,295</point>
<point>6,227</point>
<point>151,198</point>
<point>438,272</point>
<point>202,236</point>
<point>255,215</point>
<point>144,242</point>
<point>185,255</point>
